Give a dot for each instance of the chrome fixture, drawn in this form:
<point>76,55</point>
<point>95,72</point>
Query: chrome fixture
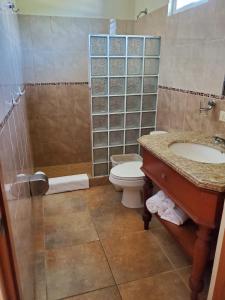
<point>39,184</point>
<point>9,5</point>
<point>219,140</point>
<point>211,105</point>
<point>145,12</point>
<point>13,7</point>
<point>16,99</point>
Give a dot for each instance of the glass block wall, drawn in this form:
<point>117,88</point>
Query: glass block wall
<point>123,75</point>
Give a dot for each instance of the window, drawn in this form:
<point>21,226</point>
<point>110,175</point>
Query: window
<point>176,6</point>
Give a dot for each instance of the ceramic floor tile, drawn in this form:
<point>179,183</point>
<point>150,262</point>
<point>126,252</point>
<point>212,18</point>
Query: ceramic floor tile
<point>101,193</point>
<point>110,216</point>
<point>64,203</point>
<point>174,252</point>
<point>111,293</point>
<point>69,230</point>
<point>185,273</point>
<point>134,256</point>
<point>76,270</point>
<point>166,286</point>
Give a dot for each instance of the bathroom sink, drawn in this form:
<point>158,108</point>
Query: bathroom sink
<point>198,152</point>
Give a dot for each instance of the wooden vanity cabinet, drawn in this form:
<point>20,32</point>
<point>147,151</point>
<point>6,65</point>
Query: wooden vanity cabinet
<point>203,206</point>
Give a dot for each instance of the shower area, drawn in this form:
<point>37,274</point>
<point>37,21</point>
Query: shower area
<point>124,81</point>
<point>90,99</point>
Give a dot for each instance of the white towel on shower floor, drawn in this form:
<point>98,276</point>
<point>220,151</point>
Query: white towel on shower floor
<point>153,203</point>
<point>175,215</point>
<point>68,183</point>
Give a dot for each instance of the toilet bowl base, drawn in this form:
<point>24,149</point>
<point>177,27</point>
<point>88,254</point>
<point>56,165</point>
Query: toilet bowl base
<point>132,197</point>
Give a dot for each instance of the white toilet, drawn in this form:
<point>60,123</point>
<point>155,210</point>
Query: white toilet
<point>130,178</point>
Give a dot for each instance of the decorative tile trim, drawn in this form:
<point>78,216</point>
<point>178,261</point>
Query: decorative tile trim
<point>57,83</point>
<point>218,97</point>
<point>6,117</point>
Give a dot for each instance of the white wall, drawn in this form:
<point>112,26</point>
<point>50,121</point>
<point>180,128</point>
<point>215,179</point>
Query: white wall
<point>151,5</point>
<point>119,9</point>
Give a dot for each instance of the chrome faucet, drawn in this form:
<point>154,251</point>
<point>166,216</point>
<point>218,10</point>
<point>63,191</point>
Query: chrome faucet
<point>211,105</point>
<point>219,140</point>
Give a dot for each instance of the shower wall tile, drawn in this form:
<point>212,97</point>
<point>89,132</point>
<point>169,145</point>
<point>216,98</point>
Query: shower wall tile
<point>151,66</point>
<point>149,102</point>
<point>99,86</point>
<point>131,149</point>
<point>134,85</point>
<point>152,47</point>
<point>117,86</point>
<point>134,66</point>
<point>133,120</point>
<point>100,123</point>
<point>101,169</point>
<point>116,104</point>
<point>117,46</point>
<point>148,119</point>
<point>132,136</point>
<point>63,110</point>
<point>100,155</point>
<point>100,139</point>
<point>116,137</point>
<point>150,84</point>
<point>99,46</point>
<point>133,103</point>
<point>100,105</point>
<point>50,47</point>
<point>115,151</point>
<point>99,67</point>
<point>116,121</point>
<point>135,46</point>
<point>117,66</point>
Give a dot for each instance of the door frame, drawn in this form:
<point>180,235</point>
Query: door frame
<point>219,289</point>
<point>8,266</point>
<point>217,284</point>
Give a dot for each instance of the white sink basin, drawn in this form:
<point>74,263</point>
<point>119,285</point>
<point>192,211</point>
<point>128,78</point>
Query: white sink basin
<point>197,152</point>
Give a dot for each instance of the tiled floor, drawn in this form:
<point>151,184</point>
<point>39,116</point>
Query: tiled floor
<point>66,170</point>
<point>96,249</point>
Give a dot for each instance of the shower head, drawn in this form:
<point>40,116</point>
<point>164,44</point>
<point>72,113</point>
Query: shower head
<point>142,12</point>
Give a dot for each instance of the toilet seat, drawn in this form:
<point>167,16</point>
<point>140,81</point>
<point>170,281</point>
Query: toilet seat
<point>129,171</point>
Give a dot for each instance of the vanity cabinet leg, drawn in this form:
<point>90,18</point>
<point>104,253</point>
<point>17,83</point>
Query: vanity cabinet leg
<point>200,259</point>
<point>147,192</point>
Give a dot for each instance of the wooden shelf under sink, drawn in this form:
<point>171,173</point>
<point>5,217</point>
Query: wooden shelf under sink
<point>185,234</point>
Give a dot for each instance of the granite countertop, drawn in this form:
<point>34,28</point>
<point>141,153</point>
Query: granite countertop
<point>205,175</point>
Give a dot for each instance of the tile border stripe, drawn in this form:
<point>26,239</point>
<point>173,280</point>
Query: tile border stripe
<point>218,97</point>
<point>57,83</point>
<point>4,121</point>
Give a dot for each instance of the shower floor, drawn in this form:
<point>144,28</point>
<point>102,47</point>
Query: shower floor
<point>66,170</point>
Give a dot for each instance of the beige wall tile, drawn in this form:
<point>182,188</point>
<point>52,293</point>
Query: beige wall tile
<point>59,117</point>
<point>192,46</point>
<point>56,48</point>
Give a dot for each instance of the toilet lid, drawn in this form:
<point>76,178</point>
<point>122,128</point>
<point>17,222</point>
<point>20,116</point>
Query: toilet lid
<point>129,171</point>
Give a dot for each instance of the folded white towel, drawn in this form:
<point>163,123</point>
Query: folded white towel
<point>153,203</point>
<point>165,204</point>
<point>175,215</point>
